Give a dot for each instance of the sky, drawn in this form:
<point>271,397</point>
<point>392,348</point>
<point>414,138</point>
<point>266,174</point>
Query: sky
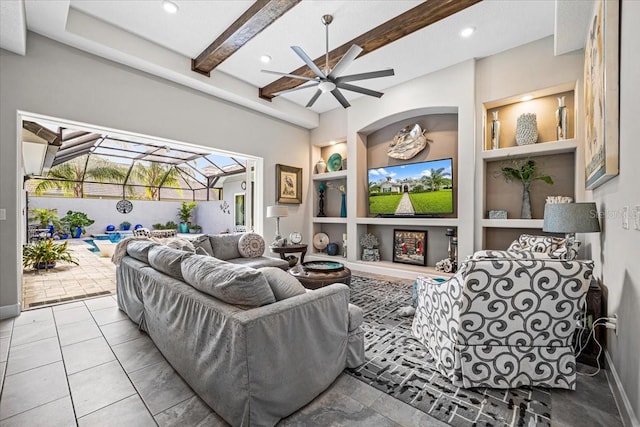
<point>411,170</point>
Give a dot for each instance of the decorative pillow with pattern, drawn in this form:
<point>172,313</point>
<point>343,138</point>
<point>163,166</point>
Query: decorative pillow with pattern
<point>251,245</point>
<point>531,243</point>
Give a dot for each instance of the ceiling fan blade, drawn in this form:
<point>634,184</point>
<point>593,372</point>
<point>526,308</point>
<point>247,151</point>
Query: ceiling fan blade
<point>341,99</point>
<point>298,50</point>
<point>346,60</point>
<point>302,86</point>
<point>365,76</point>
<point>293,76</point>
<point>359,89</point>
<point>313,98</point>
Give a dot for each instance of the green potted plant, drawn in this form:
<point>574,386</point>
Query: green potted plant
<point>46,218</point>
<point>195,228</point>
<point>170,225</point>
<point>76,222</point>
<point>44,254</point>
<point>524,171</point>
<point>125,225</point>
<point>184,213</point>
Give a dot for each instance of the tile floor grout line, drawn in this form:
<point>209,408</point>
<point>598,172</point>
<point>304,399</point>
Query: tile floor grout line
<point>64,366</point>
<point>120,363</point>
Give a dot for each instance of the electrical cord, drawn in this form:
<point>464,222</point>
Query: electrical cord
<point>602,321</point>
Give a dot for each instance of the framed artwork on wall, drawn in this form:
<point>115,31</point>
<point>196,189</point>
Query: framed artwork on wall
<point>601,94</point>
<point>288,184</point>
<point>410,247</point>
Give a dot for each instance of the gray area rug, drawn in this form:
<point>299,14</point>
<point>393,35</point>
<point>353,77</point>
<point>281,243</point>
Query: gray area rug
<point>398,365</point>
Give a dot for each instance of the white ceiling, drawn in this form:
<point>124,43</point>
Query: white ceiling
<point>142,35</point>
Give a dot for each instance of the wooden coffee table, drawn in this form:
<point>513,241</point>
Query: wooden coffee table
<point>315,278</point>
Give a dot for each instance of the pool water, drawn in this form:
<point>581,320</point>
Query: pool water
<point>113,237</point>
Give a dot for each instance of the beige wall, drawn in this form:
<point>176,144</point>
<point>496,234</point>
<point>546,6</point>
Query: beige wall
<point>616,250</point>
<point>59,81</point>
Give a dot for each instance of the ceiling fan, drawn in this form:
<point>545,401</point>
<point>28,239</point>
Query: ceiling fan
<point>330,80</point>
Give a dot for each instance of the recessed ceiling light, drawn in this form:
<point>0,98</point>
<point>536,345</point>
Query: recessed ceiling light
<point>467,31</point>
<point>526,98</point>
<point>265,59</point>
<point>169,6</point>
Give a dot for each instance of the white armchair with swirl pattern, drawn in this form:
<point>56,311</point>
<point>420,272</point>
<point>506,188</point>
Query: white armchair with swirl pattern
<point>504,320</point>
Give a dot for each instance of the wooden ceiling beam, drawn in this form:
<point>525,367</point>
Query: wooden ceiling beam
<point>419,17</point>
<point>255,19</point>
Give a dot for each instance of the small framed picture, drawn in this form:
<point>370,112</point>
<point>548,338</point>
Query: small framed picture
<point>410,247</point>
<point>288,184</point>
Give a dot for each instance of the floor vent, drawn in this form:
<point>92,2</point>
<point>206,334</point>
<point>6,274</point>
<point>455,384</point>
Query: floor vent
<point>67,299</point>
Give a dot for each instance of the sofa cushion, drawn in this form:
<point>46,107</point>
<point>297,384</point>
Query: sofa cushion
<point>139,249</point>
<point>231,283</point>
<point>204,243</point>
<point>251,245</point>
<point>282,283</point>
<point>167,260</point>
<point>225,246</point>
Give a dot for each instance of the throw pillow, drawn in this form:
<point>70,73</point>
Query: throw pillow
<point>139,249</point>
<point>204,243</point>
<point>167,260</point>
<point>283,284</point>
<point>225,246</point>
<point>251,245</point>
<point>231,283</point>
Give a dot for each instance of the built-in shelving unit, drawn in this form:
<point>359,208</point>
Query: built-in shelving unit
<point>330,176</point>
<point>557,158</point>
<point>401,221</point>
<point>328,220</point>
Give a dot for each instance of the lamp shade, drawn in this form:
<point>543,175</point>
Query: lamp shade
<point>277,211</point>
<point>571,218</point>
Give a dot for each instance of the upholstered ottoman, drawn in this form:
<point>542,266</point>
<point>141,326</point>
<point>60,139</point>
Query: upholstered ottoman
<point>314,279</point>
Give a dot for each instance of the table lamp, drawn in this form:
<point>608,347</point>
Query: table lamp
<point>571,218</point>
<point>277,212</point>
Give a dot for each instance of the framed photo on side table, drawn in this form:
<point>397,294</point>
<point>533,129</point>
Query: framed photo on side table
<point>288,184</point>
<point>410,247</point>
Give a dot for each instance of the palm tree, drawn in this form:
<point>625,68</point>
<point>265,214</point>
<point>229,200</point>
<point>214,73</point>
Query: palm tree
<point>154,176</point>
<point>436,176</point>
<point>69,176</point>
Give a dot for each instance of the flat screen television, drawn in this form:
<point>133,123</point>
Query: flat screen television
<point>412,189</point>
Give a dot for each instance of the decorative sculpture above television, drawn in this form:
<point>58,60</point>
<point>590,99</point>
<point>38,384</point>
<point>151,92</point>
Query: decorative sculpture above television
<point>408,142</point>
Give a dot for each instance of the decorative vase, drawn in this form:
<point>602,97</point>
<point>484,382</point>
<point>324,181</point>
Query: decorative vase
<point>495,132</point>
<point>321,166</point>
<point>332,249</point>
<point>526,129</point>
<point>525,210</point>
<point>343,206</point>
<point>184,227</point>
<point>561,119</point>
<point>111,227</point>
<point>77,232</point>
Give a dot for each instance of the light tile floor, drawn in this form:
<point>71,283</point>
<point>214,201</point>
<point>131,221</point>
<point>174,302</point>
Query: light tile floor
<point>67,282</point>
<point>85,363</point>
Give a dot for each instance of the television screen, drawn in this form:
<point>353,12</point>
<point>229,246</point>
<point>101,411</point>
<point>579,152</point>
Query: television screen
<point>424,188</point>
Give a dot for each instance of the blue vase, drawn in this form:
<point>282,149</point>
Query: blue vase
<point>184,227</point>
<point>77,232</point>
<point>332,249</point>
<point>111,227</point>
<point>343,206</point>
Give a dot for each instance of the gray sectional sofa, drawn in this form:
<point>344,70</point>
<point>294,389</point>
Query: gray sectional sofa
<point>254,362</point>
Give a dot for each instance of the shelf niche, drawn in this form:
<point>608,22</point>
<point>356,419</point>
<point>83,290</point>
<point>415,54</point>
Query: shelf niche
<point>503,195</point>
<point>442,130</point>
<point>544,105</point>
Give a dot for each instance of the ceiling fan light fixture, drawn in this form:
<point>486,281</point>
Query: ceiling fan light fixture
<point>169,6</point>
<point>326,86</point>
<point>265,59</point>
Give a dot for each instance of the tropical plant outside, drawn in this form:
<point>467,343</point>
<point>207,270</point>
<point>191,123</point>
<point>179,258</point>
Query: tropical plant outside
<point>153,177</point>
<point>45,253</point>
<point>184,211</point>
<point>45,217</point>
<point>69,176</point>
